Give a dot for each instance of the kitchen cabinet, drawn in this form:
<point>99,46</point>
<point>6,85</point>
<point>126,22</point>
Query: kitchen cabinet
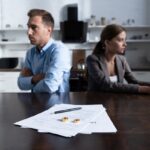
<point>8,82</point>
<point>13,36</point>
<point>17,39</point>
<point>13,42</point>
<point>138,44</point>
<point>135,35</point>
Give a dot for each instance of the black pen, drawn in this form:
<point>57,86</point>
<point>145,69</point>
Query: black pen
<point>67,110</point>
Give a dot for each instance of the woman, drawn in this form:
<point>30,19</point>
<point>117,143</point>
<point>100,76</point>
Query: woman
<point>108,68</point>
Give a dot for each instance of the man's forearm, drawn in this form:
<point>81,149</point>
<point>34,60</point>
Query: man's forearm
<point>36,78</point>
<point>26,72</point>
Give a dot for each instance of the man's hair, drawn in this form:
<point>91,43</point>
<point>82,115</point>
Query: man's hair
<point>47,18</point>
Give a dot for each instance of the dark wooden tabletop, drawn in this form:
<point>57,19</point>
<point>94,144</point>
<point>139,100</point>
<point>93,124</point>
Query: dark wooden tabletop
<point>129,113</point>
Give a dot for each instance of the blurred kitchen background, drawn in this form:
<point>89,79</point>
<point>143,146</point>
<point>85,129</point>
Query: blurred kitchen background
<point>88,17</point>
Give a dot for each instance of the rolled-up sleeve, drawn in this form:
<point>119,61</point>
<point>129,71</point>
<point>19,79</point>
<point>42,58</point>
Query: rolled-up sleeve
<point>24,83</point>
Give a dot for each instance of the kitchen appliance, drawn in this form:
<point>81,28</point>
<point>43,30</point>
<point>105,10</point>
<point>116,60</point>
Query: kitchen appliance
<point>72,12</point>
<point>73,31</point>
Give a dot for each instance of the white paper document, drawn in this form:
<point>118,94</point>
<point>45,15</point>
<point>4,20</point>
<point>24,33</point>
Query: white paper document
<point>88,119</point>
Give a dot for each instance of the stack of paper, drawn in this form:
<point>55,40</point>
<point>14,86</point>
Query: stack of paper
<point>88,119</point>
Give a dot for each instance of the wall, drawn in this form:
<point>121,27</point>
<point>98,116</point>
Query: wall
<point>14,12</point>
<point>148,10</point>
<point>121,10</point>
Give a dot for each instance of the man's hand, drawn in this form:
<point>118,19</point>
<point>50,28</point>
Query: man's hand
<point>26,72</point>
<point>36,78</point>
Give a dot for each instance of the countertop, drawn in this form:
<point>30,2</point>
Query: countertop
<point>10,70</point>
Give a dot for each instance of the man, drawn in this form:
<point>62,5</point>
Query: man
<point>47,65</point>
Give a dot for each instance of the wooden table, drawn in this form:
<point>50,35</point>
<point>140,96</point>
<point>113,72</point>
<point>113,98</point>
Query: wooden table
<point>129,113</point>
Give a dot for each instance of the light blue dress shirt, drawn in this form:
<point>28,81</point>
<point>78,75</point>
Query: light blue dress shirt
<point>54,60</point>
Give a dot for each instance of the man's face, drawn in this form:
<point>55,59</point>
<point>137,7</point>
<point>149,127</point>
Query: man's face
<point>38,32</point>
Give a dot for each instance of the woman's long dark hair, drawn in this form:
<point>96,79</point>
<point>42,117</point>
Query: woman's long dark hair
<point>108,33</point>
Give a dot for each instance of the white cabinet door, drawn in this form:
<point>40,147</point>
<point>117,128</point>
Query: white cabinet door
<point>8,82</point>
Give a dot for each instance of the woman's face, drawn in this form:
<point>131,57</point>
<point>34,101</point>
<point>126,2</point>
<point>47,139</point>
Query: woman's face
<point>116,45</point>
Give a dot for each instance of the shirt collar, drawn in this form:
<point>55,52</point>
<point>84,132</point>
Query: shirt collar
<point>46,46</point>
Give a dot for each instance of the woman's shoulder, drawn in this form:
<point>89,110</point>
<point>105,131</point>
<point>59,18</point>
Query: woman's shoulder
<point>93,56</point>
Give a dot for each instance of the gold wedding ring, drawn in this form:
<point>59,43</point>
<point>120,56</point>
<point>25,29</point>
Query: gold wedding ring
<point>65,119</point>
<point>76,121</point>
